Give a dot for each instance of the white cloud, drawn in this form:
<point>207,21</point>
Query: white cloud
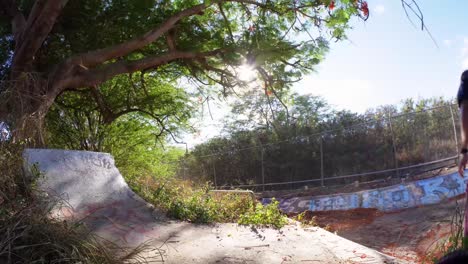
<point>379,9</point>
<point>465,63</point>
<point>465,47</point>
<point>464,54</point>
<point>448,42</point>
<point>342,93</point>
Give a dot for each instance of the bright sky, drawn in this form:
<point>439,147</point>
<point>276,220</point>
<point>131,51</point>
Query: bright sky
<point>386,60</point>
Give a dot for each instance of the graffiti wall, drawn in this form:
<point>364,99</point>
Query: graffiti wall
<point>393,198</point>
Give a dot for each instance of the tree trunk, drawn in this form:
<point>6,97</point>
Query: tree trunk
<point>25,108</point>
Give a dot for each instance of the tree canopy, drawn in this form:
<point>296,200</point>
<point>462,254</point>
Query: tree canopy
<point>54,47</point>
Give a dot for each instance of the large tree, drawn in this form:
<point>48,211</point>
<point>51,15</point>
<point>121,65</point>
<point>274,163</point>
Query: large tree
<point>49,47</point>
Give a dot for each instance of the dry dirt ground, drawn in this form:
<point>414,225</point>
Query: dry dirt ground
<point>407,235</point>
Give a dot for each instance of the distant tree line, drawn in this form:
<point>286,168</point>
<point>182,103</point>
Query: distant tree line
<point>302,138</point>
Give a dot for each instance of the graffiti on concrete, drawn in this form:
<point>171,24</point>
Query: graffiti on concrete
<point>338,202</point>
<point>388,199</point>
<point>291,205</point>
<point>71,159</point>
<point>393,198</point>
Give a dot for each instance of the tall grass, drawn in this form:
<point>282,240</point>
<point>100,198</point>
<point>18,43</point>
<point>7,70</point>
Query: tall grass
<point>30,235</point>
<point>455,241</point>
<point>186,201</point>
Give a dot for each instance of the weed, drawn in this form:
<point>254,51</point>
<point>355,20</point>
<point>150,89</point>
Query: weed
<point>268,215</point>
<point>305,221</point>
<point>454,242</point>
<point>30,235</point>
<point>182,200</point>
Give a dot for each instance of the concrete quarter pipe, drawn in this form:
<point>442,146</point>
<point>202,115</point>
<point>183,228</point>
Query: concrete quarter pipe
<point>90,189</point>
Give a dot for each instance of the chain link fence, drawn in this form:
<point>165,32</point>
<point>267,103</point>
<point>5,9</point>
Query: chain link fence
<point>384,147</point>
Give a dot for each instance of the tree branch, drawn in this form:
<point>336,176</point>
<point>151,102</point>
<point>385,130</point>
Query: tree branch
<point>107,114</point>
<point>97,76</point>
<point>33,37</point>
<point>269,81</point>
<point>226,20</point>
<point>35,13</point>
<point>93,58</point>
<point>10,10</point>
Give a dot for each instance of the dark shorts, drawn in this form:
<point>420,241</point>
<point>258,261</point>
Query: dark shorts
<point>462,93</point>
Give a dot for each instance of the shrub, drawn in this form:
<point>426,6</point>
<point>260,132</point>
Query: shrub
<point>30,235</point>
<point>305,220</point>
<point>268,215</point>
<point>185,201</point>
<point>454,242</point>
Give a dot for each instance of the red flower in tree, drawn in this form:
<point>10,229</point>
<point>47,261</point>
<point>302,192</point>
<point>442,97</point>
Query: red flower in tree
<point>331,6</point>
<point>365,9</point>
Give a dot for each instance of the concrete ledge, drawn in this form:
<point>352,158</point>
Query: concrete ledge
<point>393,198</point>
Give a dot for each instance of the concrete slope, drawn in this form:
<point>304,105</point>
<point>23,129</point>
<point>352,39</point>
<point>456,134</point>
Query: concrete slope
<point>89,188</point>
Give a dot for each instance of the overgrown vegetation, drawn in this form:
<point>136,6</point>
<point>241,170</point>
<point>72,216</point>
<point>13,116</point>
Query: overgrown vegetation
<point>185,201</point>
<point>75,47</point>
<point>308,220</point>
<point>134,138</point>
<point>305,220</point>
<point>30,235</point>
<point>268,215</point>
<point>455,240</point>
<point>267,140</point>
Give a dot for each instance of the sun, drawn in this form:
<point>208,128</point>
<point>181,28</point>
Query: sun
<point>246,73</point>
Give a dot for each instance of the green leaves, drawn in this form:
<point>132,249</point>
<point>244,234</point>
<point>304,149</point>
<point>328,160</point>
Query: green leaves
<point>268,215</point>
<point>152,110</point>
<point>281,39</point>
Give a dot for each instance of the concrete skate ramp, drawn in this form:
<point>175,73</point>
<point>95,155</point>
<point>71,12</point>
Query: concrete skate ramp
<point>92,191</point>
<point>392,198</point>
<point>86,186</point>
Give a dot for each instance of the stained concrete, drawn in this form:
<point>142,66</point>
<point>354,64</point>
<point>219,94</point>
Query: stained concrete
<point>92,191</point>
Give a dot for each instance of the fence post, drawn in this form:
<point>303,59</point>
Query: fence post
<point>263,170</point>
<point>204,173</point>
<point>322,174</point>
<point>184,177</point>
<point>214,175</point>
<point>454,132</point>
<point>395,160</point>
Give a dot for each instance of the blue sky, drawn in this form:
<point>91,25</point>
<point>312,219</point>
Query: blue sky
<point>387,59</point>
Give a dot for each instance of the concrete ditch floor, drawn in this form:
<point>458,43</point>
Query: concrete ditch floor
<point>130,223</point>
<point>180,242</point>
